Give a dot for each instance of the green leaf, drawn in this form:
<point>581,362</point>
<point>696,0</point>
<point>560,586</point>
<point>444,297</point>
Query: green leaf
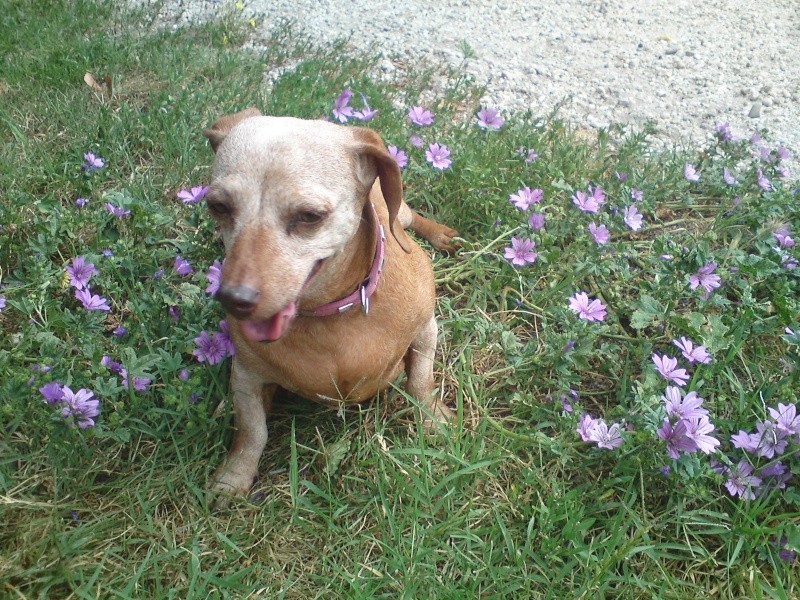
<point>334,454</point>
<point>648,312</point>
<point>713,334</point>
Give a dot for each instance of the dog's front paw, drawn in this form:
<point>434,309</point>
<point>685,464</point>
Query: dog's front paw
<point>435,414</point>
<point>225,487</point>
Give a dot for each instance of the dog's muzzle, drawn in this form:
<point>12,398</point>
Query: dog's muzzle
<point>238,300</point>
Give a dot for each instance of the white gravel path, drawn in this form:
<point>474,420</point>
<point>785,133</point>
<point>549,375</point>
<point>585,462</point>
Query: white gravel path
<point>683,64</point>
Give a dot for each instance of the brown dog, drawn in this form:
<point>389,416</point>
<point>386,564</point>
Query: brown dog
<point>327,296</point>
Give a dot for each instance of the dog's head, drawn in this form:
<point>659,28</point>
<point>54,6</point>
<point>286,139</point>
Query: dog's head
<point>288,195</point>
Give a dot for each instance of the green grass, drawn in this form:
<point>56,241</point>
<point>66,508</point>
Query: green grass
<point>363,503</point>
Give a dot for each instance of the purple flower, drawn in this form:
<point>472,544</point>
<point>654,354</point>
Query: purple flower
<point>740,481</point>
<point>81,202</point>
<point>728,177</point>
<point>536,221</point>
<point>366,114</point>
<point>675,436</point>
<point>209,349</point>
<point>724,132</point>
<point>782,234</point>
<point>786,418</point>
<point>632,218</point>
<point>600,234</point>
<point>158,274</point>
<point>91,301</point>
<point>589,201</point>
<point>79,272</point>
<point>52,392</point>
<point>107,253</point>
<point>774,476</point>
<point>566,405</point>
<point>2,302</point>
<point>438,156</point>
<point>745,441</point>
<point>621,176</point>
<point>111,365</point>
<point>416,140</point>
<point>520,252</point>
<point>420,116</point>
<point>755,138</point>
<point>524,197</point>
<point>120,331</point>
<point>193,195</point>
<point>489,118</point>
<point>597,194</point>
<point>399,156</point>
<point>717,466</point>
<point>787,555</point>
<point>697,430</point>
<point>341,109</point>
<point>666,367</point>
<point>762,181</point>
<point>705,278</point>
<point>182,266</point>
<point>529,154</point>
<point>117,211</point>
<point>605,436</point>
<point>690,352</point>
<point>82,406</point>
<point>690,173</point>
<point>92,162</point>
<point>213,274</point>
<point>637,195</point>
<point>174,313</point>
<point>782,171</point>
<point>183,375</point>
<point>773,470</point>
<point>771,440</point>
<point>588,311</point>
<point>140,384</point>
<point>782,153</point>
<point>225,338</point>
<point>683,407</point>
<point>585,426</point>
<point>788,262</point>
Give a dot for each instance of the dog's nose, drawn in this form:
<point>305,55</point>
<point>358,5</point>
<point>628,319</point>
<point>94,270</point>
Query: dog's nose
<point>238,300</point>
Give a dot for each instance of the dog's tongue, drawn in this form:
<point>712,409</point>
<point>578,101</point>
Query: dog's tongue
<point>269,330</point>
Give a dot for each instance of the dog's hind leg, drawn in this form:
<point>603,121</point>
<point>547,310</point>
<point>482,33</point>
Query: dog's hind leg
<point>439,236</point>
<point>419,370</point>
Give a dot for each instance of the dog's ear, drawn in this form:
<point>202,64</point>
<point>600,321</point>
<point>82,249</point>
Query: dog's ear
<point>369,144</point>
<point>222,126</point>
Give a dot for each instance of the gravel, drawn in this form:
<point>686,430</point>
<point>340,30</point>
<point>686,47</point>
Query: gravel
<point>682,64</point>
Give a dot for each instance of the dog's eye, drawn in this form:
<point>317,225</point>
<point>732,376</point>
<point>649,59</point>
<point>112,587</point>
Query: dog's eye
<point>308,217</point>
<point>305,221</point>
<point>218,209</point>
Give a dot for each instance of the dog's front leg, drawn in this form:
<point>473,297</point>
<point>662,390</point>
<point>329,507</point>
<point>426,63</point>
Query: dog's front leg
<point>251,403</point>
<point>419,371</point>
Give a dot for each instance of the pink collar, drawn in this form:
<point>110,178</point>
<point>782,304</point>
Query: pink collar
<point>363,292</point>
